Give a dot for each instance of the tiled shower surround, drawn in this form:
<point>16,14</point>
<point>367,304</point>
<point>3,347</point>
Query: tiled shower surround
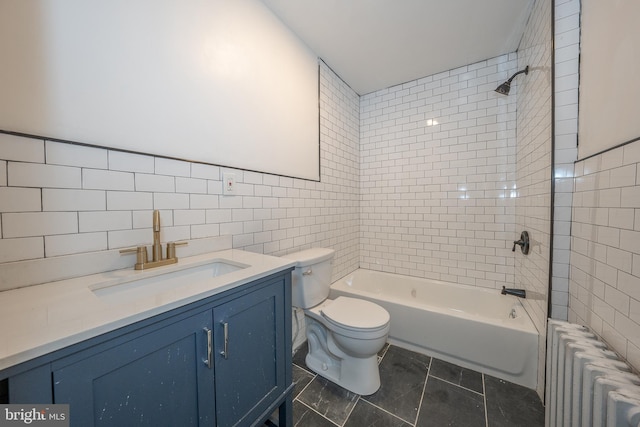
<point>438,176</point>
<point>534,165</point>
<point>605,249</point>
<point>450,174</point>
<point>60,199</point>
<point>567,54</point>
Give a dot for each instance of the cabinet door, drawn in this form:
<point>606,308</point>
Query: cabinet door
<point>250,368</point>
<point>155,379</point>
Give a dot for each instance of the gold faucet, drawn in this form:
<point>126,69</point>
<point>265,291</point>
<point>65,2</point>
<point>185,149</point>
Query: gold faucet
<point>142,260</point>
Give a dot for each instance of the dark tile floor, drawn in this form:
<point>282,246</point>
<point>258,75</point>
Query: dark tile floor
<point>416,390</point>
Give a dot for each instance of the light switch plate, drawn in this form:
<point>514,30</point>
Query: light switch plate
<point>228,184</point>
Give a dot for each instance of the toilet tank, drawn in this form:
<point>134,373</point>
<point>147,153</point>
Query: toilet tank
<point>311,278</point>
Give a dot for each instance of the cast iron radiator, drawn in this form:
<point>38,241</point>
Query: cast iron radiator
<point>586,383</point>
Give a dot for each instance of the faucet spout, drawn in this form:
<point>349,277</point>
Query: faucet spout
<point>157,247</point>
<point>156,221</point>
<point>520,293</point>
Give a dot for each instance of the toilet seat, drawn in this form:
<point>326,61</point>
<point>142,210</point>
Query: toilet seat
<point>356,314</point>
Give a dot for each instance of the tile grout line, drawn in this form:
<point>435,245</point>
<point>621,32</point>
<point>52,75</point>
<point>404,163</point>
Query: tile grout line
<point>424,388</point>
<point>479,393</point>
<point>351,411</point>
<point>390,413</point>
<point>305,369</point>
<point>308,384</point>
<point>319,413</point>
<point>484,399</point>
<point>305,387</point>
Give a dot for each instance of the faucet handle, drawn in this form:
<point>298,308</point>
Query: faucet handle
<point>141,253</point>
<point>517,242</point>
<point>524,243</point>
<point>171,248</point>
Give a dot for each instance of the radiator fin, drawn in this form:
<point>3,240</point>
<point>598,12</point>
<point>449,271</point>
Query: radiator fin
<point>587,385</point>
<point>623,408</point>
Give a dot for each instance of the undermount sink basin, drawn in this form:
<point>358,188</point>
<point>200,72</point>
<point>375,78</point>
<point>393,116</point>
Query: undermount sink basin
<point>162,282</point>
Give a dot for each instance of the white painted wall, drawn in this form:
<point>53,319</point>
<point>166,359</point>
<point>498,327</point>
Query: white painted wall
<point>216,81</point>
<point>609,66</point>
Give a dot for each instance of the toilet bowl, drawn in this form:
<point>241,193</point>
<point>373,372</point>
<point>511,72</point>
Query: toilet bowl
<point>345,353</point>
<point>344,334</point>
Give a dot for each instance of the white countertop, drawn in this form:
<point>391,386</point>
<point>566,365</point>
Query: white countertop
<point>37,320</point>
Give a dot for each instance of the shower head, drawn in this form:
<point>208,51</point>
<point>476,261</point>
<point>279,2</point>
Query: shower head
<point>505,87</point>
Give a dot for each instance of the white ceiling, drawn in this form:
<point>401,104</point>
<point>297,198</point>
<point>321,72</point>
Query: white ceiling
<point>375,44</point>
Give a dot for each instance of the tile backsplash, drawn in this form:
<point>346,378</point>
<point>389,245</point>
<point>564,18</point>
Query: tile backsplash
<point>59,199</point>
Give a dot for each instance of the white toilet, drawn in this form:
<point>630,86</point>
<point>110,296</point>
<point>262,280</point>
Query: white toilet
<point>345,334</point>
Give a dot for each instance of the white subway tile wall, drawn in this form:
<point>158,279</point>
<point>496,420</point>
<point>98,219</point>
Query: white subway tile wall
<point>31,224</point>
<point>533,165</point>
<point>21,149</point>
<point>122,161</point>
<point>3,173</point>
<point>75,155</point>
<point>438,176</point>
<point>604,285</point>
<point>100,179</point>
<point>23,248</point>
<point>567,54</point>
<point>15,199</point>
<point>22,174</point>
<point>64,199</point>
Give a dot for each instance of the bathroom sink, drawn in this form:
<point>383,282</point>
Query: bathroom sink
<point>162,282</point>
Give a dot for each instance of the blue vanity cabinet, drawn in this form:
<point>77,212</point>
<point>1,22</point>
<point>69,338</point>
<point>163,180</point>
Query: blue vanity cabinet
<point>157,379</point>
<point>250,361</point>
<point>221,361</point>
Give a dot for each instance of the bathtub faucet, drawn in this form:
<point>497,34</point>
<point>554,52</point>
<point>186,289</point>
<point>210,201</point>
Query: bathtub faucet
<point>516,292</point>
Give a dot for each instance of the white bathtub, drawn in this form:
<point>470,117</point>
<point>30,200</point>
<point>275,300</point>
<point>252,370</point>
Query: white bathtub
<point>471,327</point>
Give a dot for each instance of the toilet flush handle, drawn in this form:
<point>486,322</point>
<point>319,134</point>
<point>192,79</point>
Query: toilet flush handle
<point>308,272</point>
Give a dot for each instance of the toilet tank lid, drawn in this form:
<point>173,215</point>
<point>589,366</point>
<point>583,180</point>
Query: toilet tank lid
<point>310,256</point>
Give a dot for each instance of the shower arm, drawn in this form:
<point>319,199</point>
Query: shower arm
<point>526,71</point>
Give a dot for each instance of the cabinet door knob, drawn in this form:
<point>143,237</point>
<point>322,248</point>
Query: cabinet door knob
<point>225,351</point>
<point>208,361</point>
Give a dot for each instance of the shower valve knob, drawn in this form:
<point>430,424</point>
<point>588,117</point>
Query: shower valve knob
<point>523,242</point>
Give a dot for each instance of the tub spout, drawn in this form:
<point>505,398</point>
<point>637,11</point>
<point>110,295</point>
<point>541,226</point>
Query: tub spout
<point>516,292</point>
